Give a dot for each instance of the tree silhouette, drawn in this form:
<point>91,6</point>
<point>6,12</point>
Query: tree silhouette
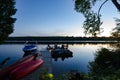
<point>116,31</point>
<point>85,7</point>
<point>91,24</point>
<point>7,10</point>
<point>105,64</point>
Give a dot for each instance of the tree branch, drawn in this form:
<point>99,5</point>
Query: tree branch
<point>116,4</point>
<point>101,7</point>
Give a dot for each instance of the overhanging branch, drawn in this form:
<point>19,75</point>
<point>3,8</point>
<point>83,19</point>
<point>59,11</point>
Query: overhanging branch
<point>101,7</point>
<point>116,4</point>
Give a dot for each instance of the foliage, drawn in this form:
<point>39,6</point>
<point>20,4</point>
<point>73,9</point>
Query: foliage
<point>72,75</point>
<point>106,65</point>
<point>49,76</point>
<point>116,31</point>
<point>93,22</point>
<point>7,11</point>
<point>84,6</point>
<point>114,76</point>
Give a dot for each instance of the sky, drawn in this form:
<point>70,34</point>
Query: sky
<point>57,18</point>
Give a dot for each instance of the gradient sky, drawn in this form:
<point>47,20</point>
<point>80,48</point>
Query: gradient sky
<point>57,18</point>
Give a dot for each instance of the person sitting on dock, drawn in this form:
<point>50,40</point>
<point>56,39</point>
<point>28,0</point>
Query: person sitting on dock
<point>37,56</point>
<point>62,47</point>
<point>55,46</point>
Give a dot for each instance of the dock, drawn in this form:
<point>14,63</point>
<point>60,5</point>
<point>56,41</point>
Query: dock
<point>45,67</point>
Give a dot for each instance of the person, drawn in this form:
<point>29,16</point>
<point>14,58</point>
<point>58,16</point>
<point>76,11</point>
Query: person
<point>62,47</point>
<point>37,55</point>
<point>55,46</point>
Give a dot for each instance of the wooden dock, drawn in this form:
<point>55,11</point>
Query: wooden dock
<point>46,67</point>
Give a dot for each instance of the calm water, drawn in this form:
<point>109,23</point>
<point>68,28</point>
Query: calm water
<point>82,54</point>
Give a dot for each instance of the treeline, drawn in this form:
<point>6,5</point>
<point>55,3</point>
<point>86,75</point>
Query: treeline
<point>61,38</point>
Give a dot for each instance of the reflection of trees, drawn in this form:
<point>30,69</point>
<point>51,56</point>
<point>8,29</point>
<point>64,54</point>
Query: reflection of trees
<point>115,45</point>
<point>106,63</point>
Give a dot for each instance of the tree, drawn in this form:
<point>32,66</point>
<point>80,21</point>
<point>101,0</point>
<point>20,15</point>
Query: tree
<point>116,31</point>
<point>91,24</point>
<point>105,65</point>
<point>7,10</point>
<point>85,7</point>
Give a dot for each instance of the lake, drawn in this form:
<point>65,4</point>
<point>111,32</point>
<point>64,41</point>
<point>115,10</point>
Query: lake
<point>82,55</point>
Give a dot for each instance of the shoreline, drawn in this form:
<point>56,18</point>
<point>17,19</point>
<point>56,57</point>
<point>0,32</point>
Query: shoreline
<point>59,42</point>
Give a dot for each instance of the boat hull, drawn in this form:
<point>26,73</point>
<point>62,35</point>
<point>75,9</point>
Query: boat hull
<point>25,69</point>
<point>5,72</point>
<point>29,48</point>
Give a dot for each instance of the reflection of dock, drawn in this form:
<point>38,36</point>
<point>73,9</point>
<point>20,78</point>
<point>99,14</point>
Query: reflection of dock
<point>46,67</point>
<point>61,53</point>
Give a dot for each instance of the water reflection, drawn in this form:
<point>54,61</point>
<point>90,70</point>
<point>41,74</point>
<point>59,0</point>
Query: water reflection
<point>4,62</point>
<point>82,54</point>
<point>115,45</point>
<point>62,56</point>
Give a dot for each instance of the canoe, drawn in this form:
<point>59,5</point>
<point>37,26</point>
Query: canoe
<point>25,69</point>
<point>5,72</point>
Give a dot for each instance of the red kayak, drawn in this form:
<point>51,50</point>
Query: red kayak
<point>5,72</point>
<point>25,69</point>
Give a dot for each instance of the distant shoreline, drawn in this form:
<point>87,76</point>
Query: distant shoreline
<point>61,40</point>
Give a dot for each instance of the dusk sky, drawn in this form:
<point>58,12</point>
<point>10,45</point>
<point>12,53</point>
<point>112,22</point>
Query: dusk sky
<point>57,18</point>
